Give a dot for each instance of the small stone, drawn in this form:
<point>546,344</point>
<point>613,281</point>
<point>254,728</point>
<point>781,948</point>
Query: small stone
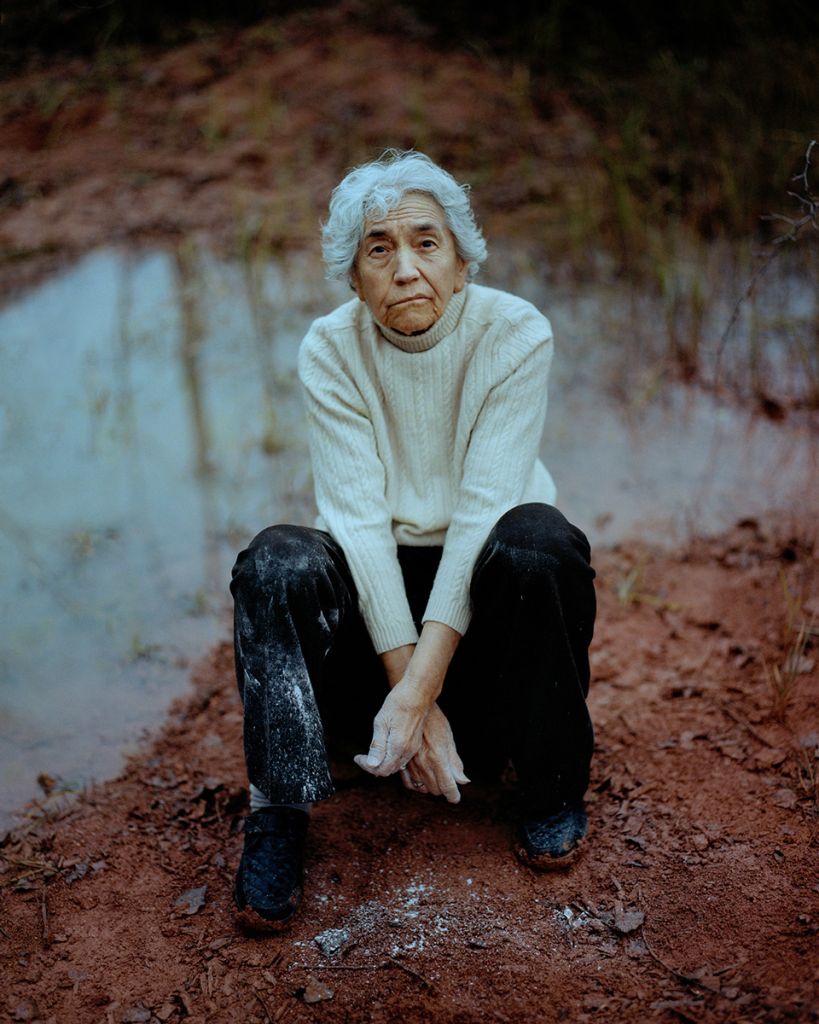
<point>332,941</point>
<point>165,1012</point>
<point>700,842</point>
<point>316,991</point>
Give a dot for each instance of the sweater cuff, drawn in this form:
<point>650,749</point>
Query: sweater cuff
<point>387,636</point>
<point>455,614</point>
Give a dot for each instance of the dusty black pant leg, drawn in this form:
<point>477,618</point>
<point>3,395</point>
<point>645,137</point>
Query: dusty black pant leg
<point>518,684</point>
<point>516,687</point>
<point>294,601</point>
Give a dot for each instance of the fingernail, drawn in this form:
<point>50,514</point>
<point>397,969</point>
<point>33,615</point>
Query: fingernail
<point>372,759</point>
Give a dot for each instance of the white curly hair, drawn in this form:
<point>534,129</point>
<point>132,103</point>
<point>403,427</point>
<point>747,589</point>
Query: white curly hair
<point>373,189</point>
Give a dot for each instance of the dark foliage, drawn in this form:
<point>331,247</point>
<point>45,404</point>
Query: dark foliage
<point>543,33</point>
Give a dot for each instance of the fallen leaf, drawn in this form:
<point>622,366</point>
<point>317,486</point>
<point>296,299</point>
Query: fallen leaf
<point>79,871</point>
<point>136,1015</point>
<point>705,978</point>
<point>316,991</point>
<point>626,921</point>
<point>771,756</point>
<point>193,900</point>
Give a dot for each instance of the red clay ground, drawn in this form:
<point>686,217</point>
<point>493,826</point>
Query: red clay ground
<point>696,899</point>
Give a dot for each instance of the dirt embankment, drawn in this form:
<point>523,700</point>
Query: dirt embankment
<point>696,899</point>
<point>239,140</point>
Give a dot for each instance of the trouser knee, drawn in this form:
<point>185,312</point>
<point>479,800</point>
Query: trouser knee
<point>280,563</point>
<point>532,539</point>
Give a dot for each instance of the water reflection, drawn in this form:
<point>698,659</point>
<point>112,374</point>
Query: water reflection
<point>150,423</point>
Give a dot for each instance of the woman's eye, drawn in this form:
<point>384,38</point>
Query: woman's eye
<point>428,243</point>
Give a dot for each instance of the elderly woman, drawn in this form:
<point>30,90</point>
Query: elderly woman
<point>442,608</point>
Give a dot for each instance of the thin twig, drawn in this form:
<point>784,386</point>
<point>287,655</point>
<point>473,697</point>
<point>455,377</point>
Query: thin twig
<point>810,203</point>
<point>44,916</point>
<point>349,967</point>
<point>757,274</point>
<point>409,970</point>
<point>803,177</point>
<point>385,964</point>
<point>728,710</point>
<point>672,970</point>
<point>265,1007</point>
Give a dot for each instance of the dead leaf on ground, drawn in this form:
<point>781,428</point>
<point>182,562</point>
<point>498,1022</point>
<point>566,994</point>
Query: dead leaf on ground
<point>79,871</point>
<point>138,1014</point>
<point>193,900</point>
<point>771,756</point>
<point>316,991</point>
<point>627,921</point>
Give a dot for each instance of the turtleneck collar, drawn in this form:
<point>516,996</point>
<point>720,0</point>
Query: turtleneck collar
<point>429,339</point>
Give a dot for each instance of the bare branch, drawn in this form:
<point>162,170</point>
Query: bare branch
<point>809,201</point>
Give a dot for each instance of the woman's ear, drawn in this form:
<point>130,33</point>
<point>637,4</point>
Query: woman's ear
<point>460,276</point>
<point>354,282</point>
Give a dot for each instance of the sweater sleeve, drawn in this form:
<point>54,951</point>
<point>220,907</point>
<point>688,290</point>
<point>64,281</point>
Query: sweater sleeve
<point>350,483</point>
<point>502,450</point>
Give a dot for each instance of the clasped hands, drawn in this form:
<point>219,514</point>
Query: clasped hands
<point>416,741</point>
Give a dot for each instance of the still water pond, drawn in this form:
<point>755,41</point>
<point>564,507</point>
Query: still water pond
<point>150,424</point>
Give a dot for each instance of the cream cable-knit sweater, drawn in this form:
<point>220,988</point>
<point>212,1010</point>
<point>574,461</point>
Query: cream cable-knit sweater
<point>424,440</point>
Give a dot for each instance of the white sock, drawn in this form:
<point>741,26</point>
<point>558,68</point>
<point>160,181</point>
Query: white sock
<point>258,802</point>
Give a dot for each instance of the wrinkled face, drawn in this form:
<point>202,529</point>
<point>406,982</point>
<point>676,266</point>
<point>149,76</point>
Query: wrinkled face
<point>407,268</point>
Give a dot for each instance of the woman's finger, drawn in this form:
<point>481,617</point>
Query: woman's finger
<point>447,786</point>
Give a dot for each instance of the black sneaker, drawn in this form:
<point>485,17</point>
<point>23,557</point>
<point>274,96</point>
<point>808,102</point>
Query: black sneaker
<point>551,843</point>
<point>268,885</point>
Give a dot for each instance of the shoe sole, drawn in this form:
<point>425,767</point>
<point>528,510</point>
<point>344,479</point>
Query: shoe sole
<point>249,920</point>
<point>252,921</point>
<point>547,862</point>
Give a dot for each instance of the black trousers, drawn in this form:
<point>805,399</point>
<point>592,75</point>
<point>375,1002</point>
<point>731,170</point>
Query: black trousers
<point>309,677</point>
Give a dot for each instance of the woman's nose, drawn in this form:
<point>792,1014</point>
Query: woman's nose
<point>405,267</point>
